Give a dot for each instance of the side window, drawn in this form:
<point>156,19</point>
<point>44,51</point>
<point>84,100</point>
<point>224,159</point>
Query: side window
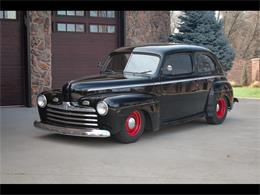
<point>177,64</point>
<point>205,64</point>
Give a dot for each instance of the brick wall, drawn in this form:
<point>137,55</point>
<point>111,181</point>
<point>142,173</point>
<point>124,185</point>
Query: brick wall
<point>235,74</point>
<point>40,51</point>
<point>147,27</point>
<point>255,69</point>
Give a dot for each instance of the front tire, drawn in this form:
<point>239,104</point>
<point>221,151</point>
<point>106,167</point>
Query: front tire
<point>132,127</point>
<point>218,115</point>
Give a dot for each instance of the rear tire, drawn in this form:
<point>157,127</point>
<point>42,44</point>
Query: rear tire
<point>218,115</point>
<point>132,127</point>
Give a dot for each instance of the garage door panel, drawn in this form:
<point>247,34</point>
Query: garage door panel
<point>12,67</point>
<point>76,54</point>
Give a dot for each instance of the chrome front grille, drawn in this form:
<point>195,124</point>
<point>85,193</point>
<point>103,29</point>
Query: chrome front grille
<point>69,115</point>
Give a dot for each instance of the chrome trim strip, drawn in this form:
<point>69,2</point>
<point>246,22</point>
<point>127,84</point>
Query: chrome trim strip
<point>152,84</point>
<point>71,114</point>
<point>70,118</point>
<point>83,132</point>
<point>70,122</point>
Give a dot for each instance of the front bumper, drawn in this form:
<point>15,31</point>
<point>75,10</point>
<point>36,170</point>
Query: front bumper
<point>81,132</point>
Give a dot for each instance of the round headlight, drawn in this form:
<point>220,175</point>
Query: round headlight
<point>42,101</point>
<point>102,108</point>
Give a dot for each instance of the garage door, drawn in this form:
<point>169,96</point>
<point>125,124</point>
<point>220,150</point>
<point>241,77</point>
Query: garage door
<point>12,71</point>
<point>79,40</point>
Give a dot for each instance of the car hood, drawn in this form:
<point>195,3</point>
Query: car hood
<point>95,84</point>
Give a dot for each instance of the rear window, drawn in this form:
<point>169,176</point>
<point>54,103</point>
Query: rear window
<point>205,63</point>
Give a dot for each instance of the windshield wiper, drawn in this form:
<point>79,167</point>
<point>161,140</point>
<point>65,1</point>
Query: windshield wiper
<point>143,72</point>
<point>111,71</point>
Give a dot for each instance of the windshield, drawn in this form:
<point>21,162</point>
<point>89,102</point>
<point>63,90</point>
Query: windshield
<point>116,62</point>
<point>142,63</point>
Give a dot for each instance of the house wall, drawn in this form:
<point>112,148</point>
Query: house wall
<point>140,27</point>
<point>147,27</point>
<point>40,51</point>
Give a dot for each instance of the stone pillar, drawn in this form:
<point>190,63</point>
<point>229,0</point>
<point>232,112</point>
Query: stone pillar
<point>40,51</point>
<point>255,69</point>
<point>147,27</point>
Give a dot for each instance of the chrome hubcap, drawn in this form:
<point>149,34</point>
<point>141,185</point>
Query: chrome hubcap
<point>131,123</point>
<point>217,107</point>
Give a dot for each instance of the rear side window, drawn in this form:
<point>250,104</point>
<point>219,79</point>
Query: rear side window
<point>205,64</point>
<point>181,64</point>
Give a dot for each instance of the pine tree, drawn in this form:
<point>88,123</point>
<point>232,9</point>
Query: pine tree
<point>202,28</point>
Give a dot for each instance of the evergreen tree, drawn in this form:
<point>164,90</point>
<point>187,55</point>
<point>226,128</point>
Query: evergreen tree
<point>202,28</point>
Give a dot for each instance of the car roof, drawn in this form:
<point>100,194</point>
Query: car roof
<point>162,48</point>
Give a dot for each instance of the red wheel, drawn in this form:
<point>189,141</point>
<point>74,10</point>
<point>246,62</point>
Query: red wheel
<point>133,123</point>
<point>218,115</point>
<point>132,127</point>
<point>221,108</point>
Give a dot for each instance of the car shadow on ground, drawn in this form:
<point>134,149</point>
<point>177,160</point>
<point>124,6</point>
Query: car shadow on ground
<point>148,135</point>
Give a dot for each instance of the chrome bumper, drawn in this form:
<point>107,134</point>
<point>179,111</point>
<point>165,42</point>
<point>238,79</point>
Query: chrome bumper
<point>86,132</point>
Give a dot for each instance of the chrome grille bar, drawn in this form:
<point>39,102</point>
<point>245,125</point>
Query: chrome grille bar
<point>70,113</point>
<point>71,118</point>
<point>66,106</point>
<point>72,122</point>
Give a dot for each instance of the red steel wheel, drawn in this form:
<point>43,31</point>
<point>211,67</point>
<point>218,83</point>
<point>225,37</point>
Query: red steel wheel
<point>221,108</point>
<point>133,123</point>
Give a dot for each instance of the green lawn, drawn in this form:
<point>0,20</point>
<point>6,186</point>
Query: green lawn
<point>246,92</point>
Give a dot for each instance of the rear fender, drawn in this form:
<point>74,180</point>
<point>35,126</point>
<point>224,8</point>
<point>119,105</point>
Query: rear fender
<point>219,89</point>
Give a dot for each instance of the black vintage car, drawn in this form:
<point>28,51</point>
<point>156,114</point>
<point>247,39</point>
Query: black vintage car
<point>142,87</point>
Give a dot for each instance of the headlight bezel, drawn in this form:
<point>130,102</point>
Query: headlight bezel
<point>43,100</point>
<point>99,106</point>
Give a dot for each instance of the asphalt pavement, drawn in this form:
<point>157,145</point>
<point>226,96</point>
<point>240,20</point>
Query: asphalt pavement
<point>194,152</point>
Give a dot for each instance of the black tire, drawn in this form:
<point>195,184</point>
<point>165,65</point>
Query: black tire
<point>130,135</point>
<point>218,115</point>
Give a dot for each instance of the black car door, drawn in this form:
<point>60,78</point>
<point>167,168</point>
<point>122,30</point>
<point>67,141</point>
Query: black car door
<point>180,89</point>
<point>205,69</point>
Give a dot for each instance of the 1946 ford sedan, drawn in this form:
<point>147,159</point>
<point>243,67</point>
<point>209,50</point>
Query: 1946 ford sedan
<point>141,87</point>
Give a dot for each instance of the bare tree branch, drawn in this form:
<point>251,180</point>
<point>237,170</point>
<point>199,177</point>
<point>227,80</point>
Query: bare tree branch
<point>254,35</point>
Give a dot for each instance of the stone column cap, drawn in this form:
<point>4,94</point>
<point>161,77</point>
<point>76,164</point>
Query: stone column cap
<point>254,59</point>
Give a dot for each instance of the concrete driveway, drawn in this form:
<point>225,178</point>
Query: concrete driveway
<point>191,153</point>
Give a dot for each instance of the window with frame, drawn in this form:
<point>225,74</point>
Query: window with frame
<point>70,27</point>
<point>70,13</point>
<point>178,63</point>
<point>205,64</point>
<point>11,15</point>
<point>95,28</point>
<point>103,14</point>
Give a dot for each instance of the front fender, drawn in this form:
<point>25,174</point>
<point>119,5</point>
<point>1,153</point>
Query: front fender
<point>121,105</point>
<point>129,100</point>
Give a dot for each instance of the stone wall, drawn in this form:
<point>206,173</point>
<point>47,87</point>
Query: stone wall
<point>40,51</point>
<point>147,27</point>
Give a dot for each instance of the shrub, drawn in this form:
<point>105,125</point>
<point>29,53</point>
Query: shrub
<point>244,78</point>
<point>255,84</point>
